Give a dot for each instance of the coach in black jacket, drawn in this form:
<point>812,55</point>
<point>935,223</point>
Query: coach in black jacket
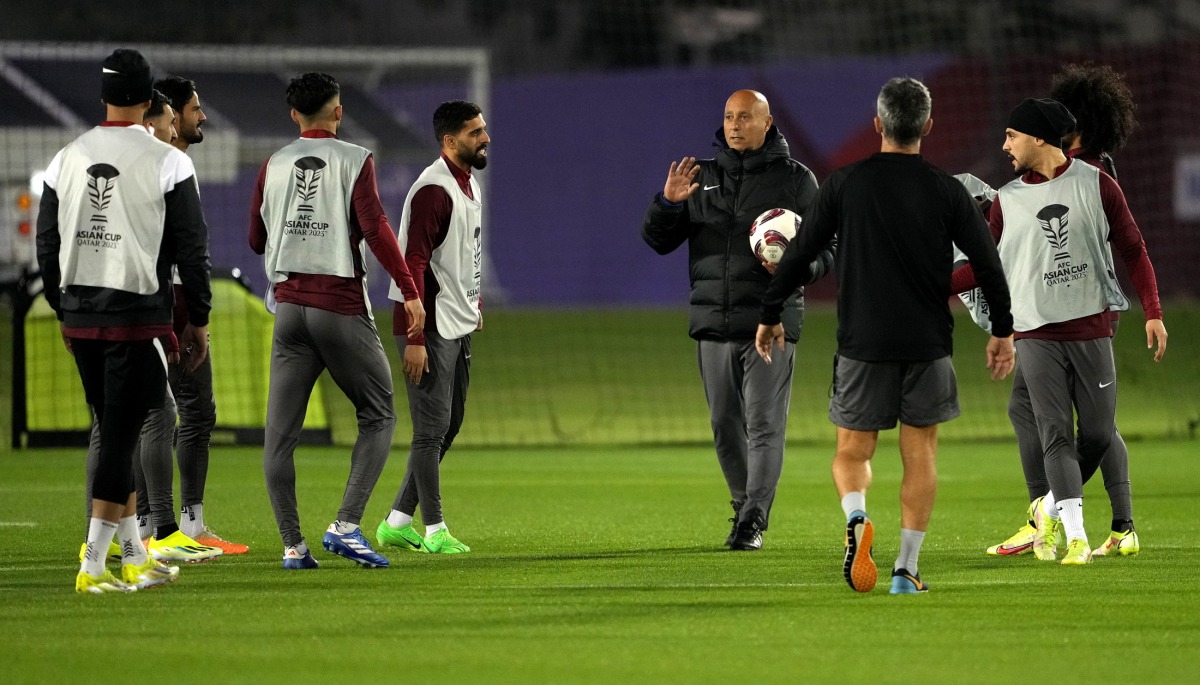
<point>711,205</point>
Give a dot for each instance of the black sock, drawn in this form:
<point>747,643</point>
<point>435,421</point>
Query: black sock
<point>161,532</point>
<point>1122,525</point>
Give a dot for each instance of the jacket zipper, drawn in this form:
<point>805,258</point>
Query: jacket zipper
<point>737,195</point>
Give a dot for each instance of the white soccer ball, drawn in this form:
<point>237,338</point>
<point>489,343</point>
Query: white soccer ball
<point>771,233</point>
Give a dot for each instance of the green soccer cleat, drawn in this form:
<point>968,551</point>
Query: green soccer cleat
<point>1119,544</point>
<point>148,575</point>
<point>87,584</point>
<point>179,547</point>
<point>114,551</point>
<point>405,537</point>
<point>1045,538</point>
<point>1078,553</point>
<point>442,542</point>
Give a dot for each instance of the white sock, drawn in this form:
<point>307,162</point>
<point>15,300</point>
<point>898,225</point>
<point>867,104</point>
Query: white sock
<point>855,502</point>
<point>433,528</point>
<point>145,530</point>
<point>191,520</point>
<point>399,519</point>
<point>132,550</point>
<point>1072,518</point>
<point>910,548</point>
<point>100,534</point>
<point>1050,506</point>
<point>344,528</point>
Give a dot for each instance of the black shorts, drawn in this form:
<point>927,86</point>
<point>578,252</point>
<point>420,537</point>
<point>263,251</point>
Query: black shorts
<point>872,396</point>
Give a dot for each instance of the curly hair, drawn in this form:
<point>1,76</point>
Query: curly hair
<point>1100,100</point>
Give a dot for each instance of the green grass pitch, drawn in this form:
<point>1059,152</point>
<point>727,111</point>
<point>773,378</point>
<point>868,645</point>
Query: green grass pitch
<point>605,565</point>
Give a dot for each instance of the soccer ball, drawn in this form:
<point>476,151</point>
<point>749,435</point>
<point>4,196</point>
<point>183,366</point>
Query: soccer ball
<point>771,232</point>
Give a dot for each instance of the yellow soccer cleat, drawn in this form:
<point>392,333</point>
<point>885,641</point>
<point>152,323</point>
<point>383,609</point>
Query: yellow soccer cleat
<point>1045,538</point>
<point>1078,553</point>
<point>1021,542</point>
<point>148,575</point>
<point>1119,544</point>
<point>179,547</point>
<point>88,584</point>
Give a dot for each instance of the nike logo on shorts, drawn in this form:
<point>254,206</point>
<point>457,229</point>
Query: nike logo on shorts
<point>1105,385</point>
<point>711,187</point>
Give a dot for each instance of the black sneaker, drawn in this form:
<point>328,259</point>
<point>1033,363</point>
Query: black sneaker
<point>737,508</point>
<point>747,535</point>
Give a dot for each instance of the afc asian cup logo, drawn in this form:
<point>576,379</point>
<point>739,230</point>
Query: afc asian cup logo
<point>1053,219</point>
<point>308,175</point>
<point>102,181</point>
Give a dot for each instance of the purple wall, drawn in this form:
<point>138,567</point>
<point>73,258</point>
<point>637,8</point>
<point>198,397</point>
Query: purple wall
<point>576,160</point>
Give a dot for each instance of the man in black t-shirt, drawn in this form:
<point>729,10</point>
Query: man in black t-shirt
<point>896,218</point>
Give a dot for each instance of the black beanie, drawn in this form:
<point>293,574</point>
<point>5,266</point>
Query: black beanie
<point>1042,118</point>
<point>126,79</point>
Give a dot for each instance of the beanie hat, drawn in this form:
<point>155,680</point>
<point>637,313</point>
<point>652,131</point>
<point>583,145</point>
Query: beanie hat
<point>1042,118</point>
<point>126,79</point>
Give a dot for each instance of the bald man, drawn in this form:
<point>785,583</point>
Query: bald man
<point>710,204</point>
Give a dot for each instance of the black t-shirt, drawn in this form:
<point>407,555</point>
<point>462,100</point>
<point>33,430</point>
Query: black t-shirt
<point>895,217</point>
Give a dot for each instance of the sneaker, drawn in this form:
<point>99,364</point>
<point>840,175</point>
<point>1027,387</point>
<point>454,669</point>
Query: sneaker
<point>405,537</point>
<point>859,567</point>
<point>98,586</point>
<point>442,542</point>
<point>1045,538</point>
<point>1078,553</point>
<point>737,509</point>
<point>905,583</point>
<point>354,547</point>
<point>1123,544</point>
<point>747,535</point>
<point>210,539</point>
<point>114,551</point>
<point>148,575</point>
<point>179,547</point>
<point>293,560</point>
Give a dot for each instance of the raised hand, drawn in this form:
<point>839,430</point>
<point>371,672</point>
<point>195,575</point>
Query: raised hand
<point>679,186</point>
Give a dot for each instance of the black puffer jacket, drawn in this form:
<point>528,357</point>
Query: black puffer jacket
<point>728,282</point>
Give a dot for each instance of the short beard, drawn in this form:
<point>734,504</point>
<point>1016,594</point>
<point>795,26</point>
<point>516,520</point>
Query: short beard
<point>478,161</point>
<point>194,137</point>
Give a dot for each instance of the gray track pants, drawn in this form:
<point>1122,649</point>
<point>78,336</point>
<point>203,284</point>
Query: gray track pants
<point>437,406</point>
<point>1066,379</point>
<point>1114,467</point>
<point>748,405</point>
<point>197,419</point>
<point>307,341</point>
<point>153,473</point>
